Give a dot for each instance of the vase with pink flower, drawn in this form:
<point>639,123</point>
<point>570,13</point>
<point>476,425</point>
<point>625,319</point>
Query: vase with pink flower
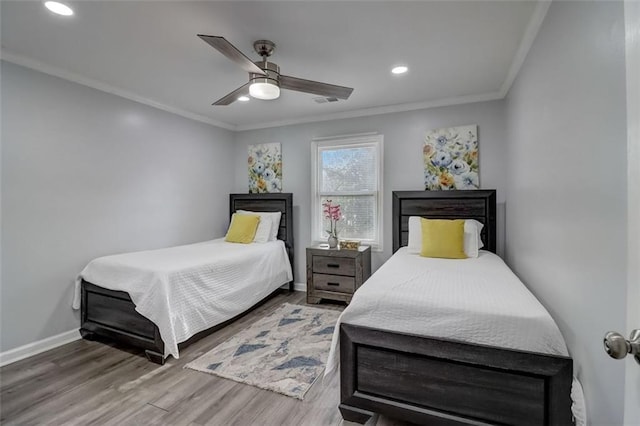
<point>332,212</point>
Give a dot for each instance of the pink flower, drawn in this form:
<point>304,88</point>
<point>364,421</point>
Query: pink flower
<point>333,213</point>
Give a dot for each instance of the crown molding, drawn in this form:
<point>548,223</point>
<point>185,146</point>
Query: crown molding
<point>388,109</point>
<point>530,34</point>
<point>8,56</point>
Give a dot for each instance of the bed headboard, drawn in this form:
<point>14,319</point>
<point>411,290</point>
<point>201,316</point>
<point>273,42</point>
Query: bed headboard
<point>275,202</point>
<point>474,204</point>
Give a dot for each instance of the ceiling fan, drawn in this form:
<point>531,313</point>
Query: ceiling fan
<point>265,79</point>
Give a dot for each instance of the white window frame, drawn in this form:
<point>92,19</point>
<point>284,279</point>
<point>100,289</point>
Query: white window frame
<point>364,139</point>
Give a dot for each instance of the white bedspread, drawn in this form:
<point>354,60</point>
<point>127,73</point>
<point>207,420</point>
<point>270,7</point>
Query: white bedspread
<point>476,300</point>
<point>190,288</point>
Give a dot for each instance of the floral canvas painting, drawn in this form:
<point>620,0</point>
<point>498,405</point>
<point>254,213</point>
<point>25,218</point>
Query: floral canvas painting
<point>265,168</point>
<point>451,158</point>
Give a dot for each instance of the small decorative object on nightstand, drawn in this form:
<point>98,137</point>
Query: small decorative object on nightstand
<point>333,214</point>
<point>349,245</point>
<point>336,274</point>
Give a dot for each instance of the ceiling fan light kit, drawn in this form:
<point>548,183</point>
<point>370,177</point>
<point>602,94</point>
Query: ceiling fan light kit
<point>264,90</point>
<point>265,80</point>
<point>265,87</point>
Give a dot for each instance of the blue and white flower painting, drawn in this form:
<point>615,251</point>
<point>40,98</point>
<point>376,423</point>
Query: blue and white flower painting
<point>451,158</point>
<point>265,168</point>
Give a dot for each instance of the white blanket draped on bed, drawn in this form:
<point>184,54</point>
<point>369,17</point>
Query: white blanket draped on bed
<point>476,300</point>
<point>187,289</point>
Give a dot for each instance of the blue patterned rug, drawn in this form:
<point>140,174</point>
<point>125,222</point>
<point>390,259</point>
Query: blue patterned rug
<point>284,352</point>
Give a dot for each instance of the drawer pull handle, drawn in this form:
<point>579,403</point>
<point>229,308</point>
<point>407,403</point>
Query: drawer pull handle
<point>333,284</point>
<point>332,265</point>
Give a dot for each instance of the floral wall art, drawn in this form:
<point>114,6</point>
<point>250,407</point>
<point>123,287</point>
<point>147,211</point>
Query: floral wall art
<point>451,158</point>
<point>265,168</point>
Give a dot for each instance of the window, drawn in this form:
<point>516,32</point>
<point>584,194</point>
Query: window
<point>348,171</point>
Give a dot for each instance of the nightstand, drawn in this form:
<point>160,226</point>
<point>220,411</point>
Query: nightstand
<point>336,274</point>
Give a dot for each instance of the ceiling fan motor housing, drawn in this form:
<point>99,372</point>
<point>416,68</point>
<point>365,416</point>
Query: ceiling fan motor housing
<point>272,70</point>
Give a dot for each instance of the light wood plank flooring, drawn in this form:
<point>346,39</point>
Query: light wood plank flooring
<point>93,383</point>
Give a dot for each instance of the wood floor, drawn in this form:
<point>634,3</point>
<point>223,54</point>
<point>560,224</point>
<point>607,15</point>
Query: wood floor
<point>84,383</point>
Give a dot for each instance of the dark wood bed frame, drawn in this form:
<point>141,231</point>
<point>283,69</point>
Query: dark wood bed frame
<point>112,315</point>
<point>436,381</point>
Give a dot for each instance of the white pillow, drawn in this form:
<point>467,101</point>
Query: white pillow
<point>268,227</point>
<point>414,245</point>
<point>275,225</point>
<point>472,239</point>
<point>264,227</point>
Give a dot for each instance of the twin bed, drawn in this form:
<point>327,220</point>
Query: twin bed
<point>158,300</point>
<point>450,342</point>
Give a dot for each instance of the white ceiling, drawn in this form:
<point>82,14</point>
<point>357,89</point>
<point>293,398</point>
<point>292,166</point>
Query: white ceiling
<point>148,51</point>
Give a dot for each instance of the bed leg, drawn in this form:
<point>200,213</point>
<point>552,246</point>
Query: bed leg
<point>291,286</point>
<point>154,357</point>
<point>353,414</point>
<point>87,335</point>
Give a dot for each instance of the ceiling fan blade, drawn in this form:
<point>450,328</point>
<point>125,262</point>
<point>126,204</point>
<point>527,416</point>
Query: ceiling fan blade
<point>315,87</point>
<point>233,96</point>
<point>230,51</point>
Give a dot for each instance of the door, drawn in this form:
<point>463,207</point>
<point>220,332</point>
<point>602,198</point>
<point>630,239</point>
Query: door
<point>632,37</point>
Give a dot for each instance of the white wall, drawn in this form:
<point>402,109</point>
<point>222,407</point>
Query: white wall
<point>566,187</point>
<point>86,174</point>
<point>403,168</point>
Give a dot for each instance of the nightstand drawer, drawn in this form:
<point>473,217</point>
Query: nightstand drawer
<point>334,265</point>
<point>335,283</point>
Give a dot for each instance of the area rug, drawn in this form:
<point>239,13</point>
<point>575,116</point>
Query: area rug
<point>284,352</point>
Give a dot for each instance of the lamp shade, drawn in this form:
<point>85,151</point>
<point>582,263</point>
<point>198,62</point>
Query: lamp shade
<point>264,90</point>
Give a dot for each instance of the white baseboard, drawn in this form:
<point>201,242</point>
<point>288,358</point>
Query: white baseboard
<point>30,349</point>
<point>297,287</point>
<point>300,287</point>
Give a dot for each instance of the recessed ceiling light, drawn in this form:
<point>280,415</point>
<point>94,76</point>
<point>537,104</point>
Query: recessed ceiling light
<point>59,8</point>
<point>243,98</point>
<point>399,69</point>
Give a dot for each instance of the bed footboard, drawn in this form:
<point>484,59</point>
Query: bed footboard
<point>112,314</point>
<point>445,382</point>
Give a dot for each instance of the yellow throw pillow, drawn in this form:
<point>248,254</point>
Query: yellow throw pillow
<point>443,238</point>
<point>243,228</point>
